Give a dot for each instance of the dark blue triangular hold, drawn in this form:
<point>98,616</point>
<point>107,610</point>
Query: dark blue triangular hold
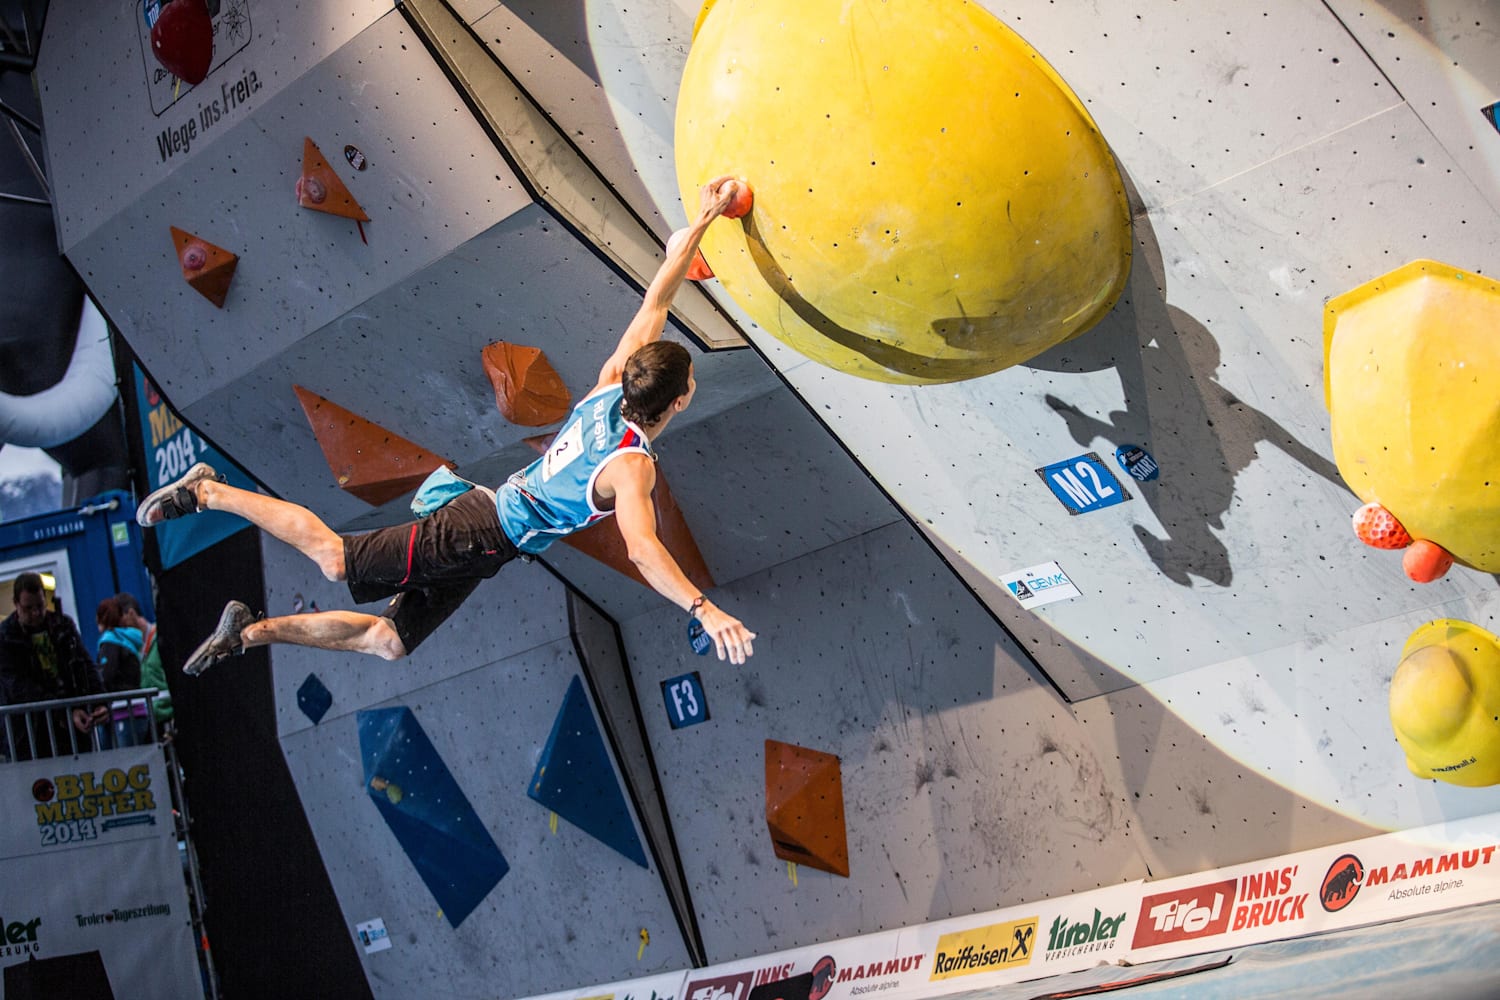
<point>575,779</point>
<point>314,699</point>
<point>427,812</point>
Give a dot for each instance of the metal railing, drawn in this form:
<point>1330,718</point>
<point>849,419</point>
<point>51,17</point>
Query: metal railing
<point>46,729</point>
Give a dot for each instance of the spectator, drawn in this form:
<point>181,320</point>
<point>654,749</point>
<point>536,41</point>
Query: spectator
<point>153,674</point>
<point>42,658</point>
<point>124,723</point>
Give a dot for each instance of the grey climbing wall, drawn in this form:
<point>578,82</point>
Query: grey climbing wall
<point>1215,694</point>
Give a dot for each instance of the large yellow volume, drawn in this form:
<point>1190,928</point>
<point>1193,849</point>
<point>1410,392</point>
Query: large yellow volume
<point>932,202</point>
<point>1412,379</point>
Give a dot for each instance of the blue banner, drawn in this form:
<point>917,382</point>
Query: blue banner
<point>171,449</point>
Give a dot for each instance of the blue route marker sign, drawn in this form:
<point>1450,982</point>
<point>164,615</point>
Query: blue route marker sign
<point>686,705</point>
<point>1083,484</point>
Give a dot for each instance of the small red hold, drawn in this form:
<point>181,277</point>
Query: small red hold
<point>742,201</point>
<point>194,256</point>
<point>1378,527</point>
<point>1426,561</point>
<point>182,40</point>
<point>311,189</point>
<point>699,270</point>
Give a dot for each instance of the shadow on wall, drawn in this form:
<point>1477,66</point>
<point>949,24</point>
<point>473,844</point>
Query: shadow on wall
<point>1167,360</point>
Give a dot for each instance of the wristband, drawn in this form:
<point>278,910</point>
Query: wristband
<point>698,602</point>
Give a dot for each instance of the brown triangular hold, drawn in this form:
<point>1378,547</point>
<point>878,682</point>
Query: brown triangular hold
<point>528,390</point>
<point>366,460</point>
<point>321,190</point>
<point>603,541</point>
<point>805,807</point>
<point>206,267</point>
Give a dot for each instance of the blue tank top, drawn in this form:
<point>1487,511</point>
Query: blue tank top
<point>554,496</point>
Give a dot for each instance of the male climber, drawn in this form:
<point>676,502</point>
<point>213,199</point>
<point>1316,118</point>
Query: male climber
<point>599,463</point>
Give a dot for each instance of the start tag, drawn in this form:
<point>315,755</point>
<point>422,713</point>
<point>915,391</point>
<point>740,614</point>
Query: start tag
<point>700,640</point>
<point>1138,462</point>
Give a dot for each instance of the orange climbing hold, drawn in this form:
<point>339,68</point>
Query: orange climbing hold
<point>698,269</point>
<point>1378,527</point>
<point>602,539</point>
<point>367,460</point>
<point>321,190</point>
<point>1426,561</point>
<point>209,269</point>
<point>742,202</point>
<point>805,807</point>
<point>528,390</point>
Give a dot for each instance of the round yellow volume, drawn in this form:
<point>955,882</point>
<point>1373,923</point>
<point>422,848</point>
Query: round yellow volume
<point>932,202</point>
<point>1445,703</point>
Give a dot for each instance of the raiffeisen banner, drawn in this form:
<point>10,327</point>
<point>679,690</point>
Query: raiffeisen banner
<point>91,885</point>
<point>1136,931</point>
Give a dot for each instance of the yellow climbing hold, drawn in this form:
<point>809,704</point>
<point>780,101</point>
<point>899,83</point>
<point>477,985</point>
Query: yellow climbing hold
<point>1411,376</point>
<point>1445,703</point>
<point>932,202</point>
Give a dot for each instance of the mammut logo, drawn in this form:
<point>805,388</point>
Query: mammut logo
<point>823,975</point>
<point>1341,883</point>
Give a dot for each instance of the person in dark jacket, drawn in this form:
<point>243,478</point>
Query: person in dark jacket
<point>42,658</point>
<point>121,648</point>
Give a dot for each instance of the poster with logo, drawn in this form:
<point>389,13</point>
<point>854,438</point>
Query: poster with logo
<point>229,30</point>
<point>1389,877</point>
<point>874,964</point>
<point>91,883</point>
<point>1041,584</point>
<point>171,449</point>
<point>667,986</point>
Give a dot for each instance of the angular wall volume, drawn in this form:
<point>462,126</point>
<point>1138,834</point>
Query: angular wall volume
<point>367,460</point>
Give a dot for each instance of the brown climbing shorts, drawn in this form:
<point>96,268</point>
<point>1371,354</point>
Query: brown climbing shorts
<point>429,566</point>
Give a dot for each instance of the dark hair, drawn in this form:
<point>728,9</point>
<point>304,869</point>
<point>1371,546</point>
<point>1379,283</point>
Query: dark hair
<point>654,376</point>
<point>28,583</point>
<point>128,603</point>
<point>108,613</point>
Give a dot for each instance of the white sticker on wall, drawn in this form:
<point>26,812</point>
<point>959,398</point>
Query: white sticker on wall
<point>373,936</point>
<point>1037,585</point>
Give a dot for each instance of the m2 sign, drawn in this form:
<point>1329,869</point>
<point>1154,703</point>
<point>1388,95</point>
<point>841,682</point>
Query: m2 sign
<point>1083,484</point>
